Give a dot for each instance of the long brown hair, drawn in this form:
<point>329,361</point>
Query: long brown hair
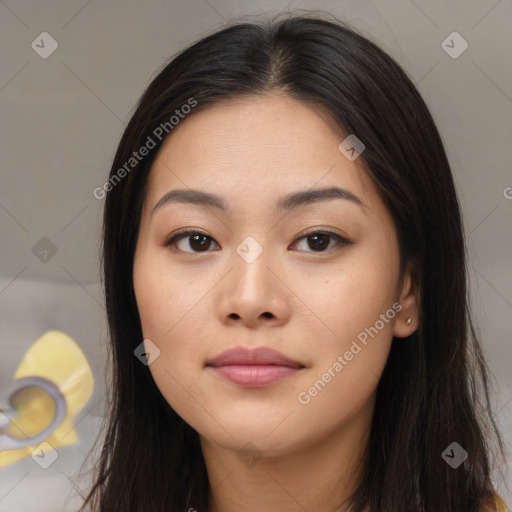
<point>435,387</point>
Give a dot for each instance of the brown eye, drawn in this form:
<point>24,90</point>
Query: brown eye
<point>321,241</point>
<point>196,241</point>
<point>191,241</point>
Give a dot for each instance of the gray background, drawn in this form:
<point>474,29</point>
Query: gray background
<point>62,117</point>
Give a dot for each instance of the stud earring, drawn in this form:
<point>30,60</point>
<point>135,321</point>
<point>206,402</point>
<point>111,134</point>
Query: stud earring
<point>408,321</point>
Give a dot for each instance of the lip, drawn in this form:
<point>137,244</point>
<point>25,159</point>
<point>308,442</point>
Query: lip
<point>255,356</point>
<point>257,367</point>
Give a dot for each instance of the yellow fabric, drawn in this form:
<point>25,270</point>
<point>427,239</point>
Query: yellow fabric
<point>58,358</point>
<point>500,504</point>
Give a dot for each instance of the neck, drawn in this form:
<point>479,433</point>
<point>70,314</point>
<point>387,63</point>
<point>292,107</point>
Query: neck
<point>320,476</point>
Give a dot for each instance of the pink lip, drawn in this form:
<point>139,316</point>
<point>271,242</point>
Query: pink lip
<point>253,367</point>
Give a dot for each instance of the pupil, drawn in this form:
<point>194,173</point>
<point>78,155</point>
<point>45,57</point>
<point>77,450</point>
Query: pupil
<point>320,245</point>
<point>200,246</point>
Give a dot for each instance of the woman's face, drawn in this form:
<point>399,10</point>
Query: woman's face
<point>253,274</point>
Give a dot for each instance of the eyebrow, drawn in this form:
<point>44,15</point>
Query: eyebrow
<point>287,202</point>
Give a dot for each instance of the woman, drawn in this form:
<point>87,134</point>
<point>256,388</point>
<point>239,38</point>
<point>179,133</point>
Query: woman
<point>285,281</point>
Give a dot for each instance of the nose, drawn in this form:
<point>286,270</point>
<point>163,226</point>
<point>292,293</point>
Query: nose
<point>255,293</point>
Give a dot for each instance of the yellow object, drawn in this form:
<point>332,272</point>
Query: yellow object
<point>500,504</point>
<point>56,357</point>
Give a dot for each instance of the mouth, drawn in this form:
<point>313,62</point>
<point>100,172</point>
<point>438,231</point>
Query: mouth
<point>254,367</point>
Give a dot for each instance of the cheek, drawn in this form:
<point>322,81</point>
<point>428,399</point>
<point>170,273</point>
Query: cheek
<point>170,320</point>
<point>165,297</point>
<point>352,352</point>
<point>355,306</point>
<point>172,306</point>
<point>346,301</point>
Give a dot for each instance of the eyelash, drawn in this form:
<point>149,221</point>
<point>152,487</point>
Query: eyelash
<point>341,241</point>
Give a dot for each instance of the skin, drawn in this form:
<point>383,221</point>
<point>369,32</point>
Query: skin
<point>308,303</point>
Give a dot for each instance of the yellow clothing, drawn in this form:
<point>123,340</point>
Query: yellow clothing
<point>500,504</point>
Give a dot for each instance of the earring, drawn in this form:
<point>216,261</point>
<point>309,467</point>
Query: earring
<point>408,321</point>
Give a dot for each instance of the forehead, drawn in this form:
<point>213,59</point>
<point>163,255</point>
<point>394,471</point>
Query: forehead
<point>258,146</point>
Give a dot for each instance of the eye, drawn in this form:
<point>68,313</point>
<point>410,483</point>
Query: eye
<point>317,240</point>
<point>197,241</point>
<point>320,240</point>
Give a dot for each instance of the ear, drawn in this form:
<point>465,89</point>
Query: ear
<point>409,299</point>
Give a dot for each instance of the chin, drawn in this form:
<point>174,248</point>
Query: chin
<point>247,440</point>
